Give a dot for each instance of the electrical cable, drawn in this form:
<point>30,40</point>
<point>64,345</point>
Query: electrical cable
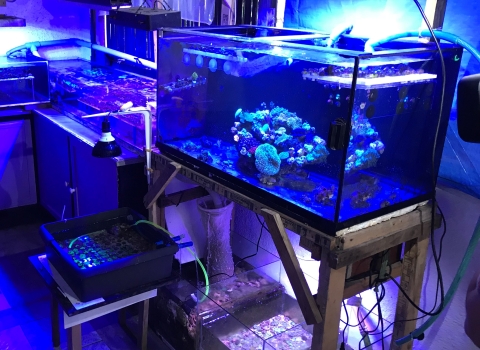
<point>342,346</point>
<point>380,316</point>
<point>434,178</point>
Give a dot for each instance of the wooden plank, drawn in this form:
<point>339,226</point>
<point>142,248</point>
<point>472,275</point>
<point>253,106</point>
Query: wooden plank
<point>143,324</point>
<point>181,196</point>
<point>292,267</point>
<point>329,299</point>
<point>55,323</point>
<point>435,11</point>
<point>413,268</point>
<point>313,248</point>
<point>74,337</point>
<point>340,258</point>
<point>166,175</point>
<point>360,285</point>
<point>159,161</point>
<point>419,215</point>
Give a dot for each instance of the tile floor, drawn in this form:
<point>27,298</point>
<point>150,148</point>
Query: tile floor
<point>25,310</point>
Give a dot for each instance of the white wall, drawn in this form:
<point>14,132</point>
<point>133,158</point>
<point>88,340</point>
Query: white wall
<point>46,20</point>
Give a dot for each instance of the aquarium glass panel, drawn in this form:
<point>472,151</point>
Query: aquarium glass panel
<point>23,81</point>
<point>393,125</point>
<point>330,137</point>
<point>260,113</point>
<point>251,311</point>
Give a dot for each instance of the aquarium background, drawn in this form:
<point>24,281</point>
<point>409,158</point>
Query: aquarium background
<point>460,166</point>
<point>270,116</point>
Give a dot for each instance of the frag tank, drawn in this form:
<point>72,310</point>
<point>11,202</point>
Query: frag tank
<point>23,81</point>
<point>331,137</point>
<point>80,88</point>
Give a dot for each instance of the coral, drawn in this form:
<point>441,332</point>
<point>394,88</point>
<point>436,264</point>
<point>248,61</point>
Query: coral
<point>292,138</point>
<point>324,195</point>
<point>189,146</point>
<point>267,160</point>
<point>205,156</point>
<point>365,146</point>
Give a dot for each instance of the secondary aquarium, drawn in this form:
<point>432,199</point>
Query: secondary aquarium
<point>331,137</point>
<point>23,81</point>
<point>81,88</point>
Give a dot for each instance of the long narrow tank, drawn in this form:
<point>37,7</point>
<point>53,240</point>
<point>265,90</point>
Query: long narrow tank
<point>331,137</point>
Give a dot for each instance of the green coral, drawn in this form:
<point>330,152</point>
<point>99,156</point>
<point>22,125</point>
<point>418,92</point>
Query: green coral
<point>267,161</point>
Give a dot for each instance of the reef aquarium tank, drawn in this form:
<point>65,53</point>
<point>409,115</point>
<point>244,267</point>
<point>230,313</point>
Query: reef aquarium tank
<point>331,137</point>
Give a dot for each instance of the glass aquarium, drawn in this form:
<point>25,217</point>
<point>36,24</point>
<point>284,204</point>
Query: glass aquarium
<point>330,137</point>
<point>81,88</point>
<point>23,81</point>
<point>177,311</point>
<point>251,311</point>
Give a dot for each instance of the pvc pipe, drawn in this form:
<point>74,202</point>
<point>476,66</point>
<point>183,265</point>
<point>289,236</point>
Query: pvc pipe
<point>34,51</point>
<point>147,115</point>
<point>337,32</point>
<point>372,43</point>
<point>78,42</point>
<point>453,287</point>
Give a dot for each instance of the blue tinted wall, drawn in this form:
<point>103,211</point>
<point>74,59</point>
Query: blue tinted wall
<point>460,165</point>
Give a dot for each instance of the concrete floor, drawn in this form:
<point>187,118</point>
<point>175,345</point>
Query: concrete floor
<point>24,300</point>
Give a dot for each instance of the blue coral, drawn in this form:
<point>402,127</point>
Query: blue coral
<point>267,160</point>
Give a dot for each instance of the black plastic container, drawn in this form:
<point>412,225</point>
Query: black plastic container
<point>112,277</point>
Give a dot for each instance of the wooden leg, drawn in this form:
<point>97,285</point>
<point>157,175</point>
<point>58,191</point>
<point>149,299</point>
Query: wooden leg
<point>305,299</point>
<point>122,317</point>
<point>329,299</point>
<point>55,324</point>
<point>74,337</point>
<point>161,179</point>
<point>143,324</point>
<point>413,268</point>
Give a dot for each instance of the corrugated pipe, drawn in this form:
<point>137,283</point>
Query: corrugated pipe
<point>33,47</point>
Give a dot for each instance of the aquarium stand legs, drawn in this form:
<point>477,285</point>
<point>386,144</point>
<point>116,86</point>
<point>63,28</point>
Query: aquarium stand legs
<point>410,231</point>
<point>292,267</point>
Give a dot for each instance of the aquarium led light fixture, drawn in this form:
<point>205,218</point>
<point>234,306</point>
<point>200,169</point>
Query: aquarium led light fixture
<point>366,83</point>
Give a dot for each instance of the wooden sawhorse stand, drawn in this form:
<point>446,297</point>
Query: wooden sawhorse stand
<point>337,254</point>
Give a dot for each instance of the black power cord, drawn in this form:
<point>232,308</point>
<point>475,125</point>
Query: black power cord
<point>434,178</point>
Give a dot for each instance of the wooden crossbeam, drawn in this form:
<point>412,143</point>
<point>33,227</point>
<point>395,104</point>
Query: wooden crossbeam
<point>435,11</point>
<point>292,267</point>
<point>167,174</point>
<point>181,196</point>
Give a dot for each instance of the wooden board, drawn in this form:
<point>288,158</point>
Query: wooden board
<point>421,214</point>
<point>165,176</point>
<point>329,299</point>
<point>435,11</point>
<point>340,258</point>
<point>292,267</point>
<point>413,269</point>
